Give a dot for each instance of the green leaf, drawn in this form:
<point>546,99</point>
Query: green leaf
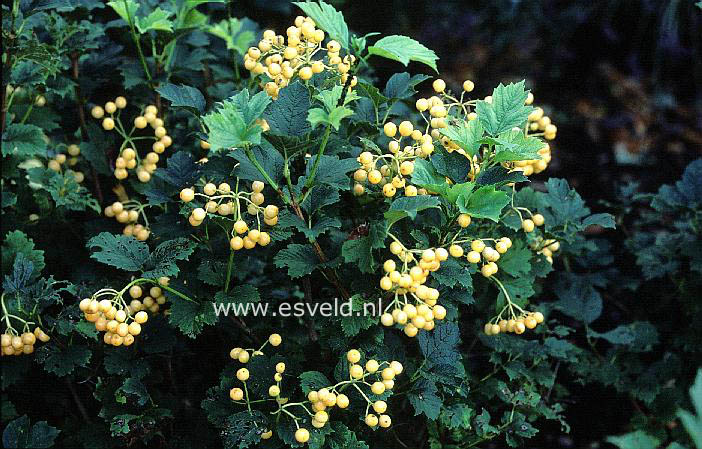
<point>457,416</point>
<point>353,324</point>
<point>360,251</point>
<point>120,251</point>
<point>561,204</point>
<point>516,261</point>
<point>157,20</point>
<point>287,116</point>
<point>63,361</point>
<point>425,175</point>
<point>404,49</point>
<point>452,273</point>
<point>190,317</point>
<point>162,261</point>
<point>181,170</point>
<point>440,346</point>
<point>408,206</point>
<point>94,150</point>
<point>424,399</point>
<point>320,226</point>
<point>126,9</point>
<point>519,289</point>
<point>499,176</point>
<point>313,380</point>
<point>17,242</point>
<point>400,86</point>
<point>183,96</point>
<point>271,160</point>
<point>634,440</point>
<point>604,220</point>
<point>21,434</point>
<point>507,109</point>
<point>300,260</point>
<point>485,202</point>
<point>23,140</point>
<point>332,171</point>
<point>233,124</point>
<point>328,19</point>
<point>692,423</point>
<point>513,145</point>
<point>453,165</point>
<point>232,31</point>
<point>344,438</point>
<point>319,116</point>
<point>578,298</point>
<point>319,196</point>
<point>244,429</point>
<point>467,135</point>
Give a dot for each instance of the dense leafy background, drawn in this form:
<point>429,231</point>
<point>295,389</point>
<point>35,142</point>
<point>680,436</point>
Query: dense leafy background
<point>619,346</point>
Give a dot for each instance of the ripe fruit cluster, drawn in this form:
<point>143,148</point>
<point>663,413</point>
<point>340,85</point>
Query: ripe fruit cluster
<point>281,58</point>
<point>14,344</point>
<point>224,201</point>
<point>517,324</point>
<point>415,304</point>
<point>244,355</point>
<point>479,251</point>
<point>129,158</point>
<point>545,247</point>
<point>391,171</point>
<point>120,321</point>
<point>60,159</point>
<point>128,213</point>
<point>148,300</point>
<point>512,318</point>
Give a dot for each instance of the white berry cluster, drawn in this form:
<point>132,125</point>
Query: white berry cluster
<point>300,53</point>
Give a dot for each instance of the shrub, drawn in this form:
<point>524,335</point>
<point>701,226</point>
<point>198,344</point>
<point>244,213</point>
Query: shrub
<point>304,255</point>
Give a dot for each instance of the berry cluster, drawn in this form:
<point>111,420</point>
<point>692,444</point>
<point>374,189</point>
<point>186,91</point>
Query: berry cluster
<point>512,318</point>
<point>129,158</point>
<point>14,344</point>
<point>128,213</point>
<point>415,304</point>
<point>517,324</point>
<point>391,171</point>
<point>480,252</point>
<point>152,301</point>
<point>281,58</point>
<point>60,159</point>
<point>224,201</point>
<point>244,355</point>
<point>545,247</point>
<point>375,377</point>
<point>120,321</point>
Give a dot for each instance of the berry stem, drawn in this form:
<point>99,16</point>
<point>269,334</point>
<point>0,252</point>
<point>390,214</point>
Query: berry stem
<point>135,38</point>
<point>264,173</point>
<point>230,264</point>
<point>320,153</point>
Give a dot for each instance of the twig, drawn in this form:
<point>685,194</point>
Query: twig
<point>79,404</point>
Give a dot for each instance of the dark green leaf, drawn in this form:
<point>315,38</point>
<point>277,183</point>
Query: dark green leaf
<point>183,96</point>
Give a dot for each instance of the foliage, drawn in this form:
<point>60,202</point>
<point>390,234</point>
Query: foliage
<point>496,292</point>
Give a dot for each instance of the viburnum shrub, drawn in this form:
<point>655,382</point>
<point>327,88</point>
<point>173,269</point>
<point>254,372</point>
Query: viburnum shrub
<point>296,254</point>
